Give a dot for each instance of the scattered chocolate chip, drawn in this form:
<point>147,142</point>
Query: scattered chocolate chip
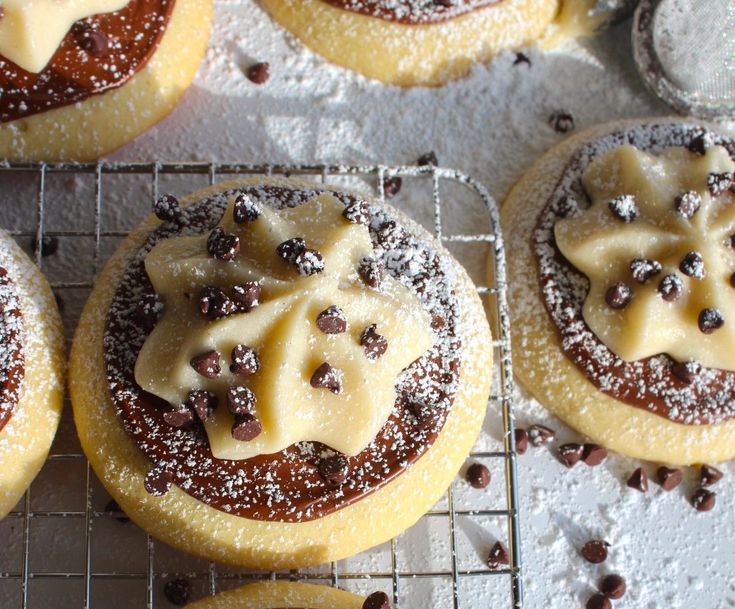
<point>289,249</point>
<point>391,186</point>
<point>428,159</point>
<point>703,500</point>
<point>331,320</point>
<point>215,304</point>
<point>333,470</point>
<point>700,142</point>
<point>594,454</point>
<point>618,295</point>
<point>167,209</point>
<point>521,58</point>
<point>49,246</point>
<point>498,556</point>
<point>177,591</point>
<point>570,454</point>
<point>613,586</point>
<point>390,235</point>
<point>643,269</point>
<point>327,377</point>
<point>246,427</point>
<point>424,413</point>
<point>158,481</point>
<point>521,437</point>
<point>377,600</point>
<point>686,371</point>
<point>478,475</point>
<point>207,364</point>
<point>669,478</point>
<point>96,43</point>
<point>719,182</point>
<point>709,320</point>
<point>246,209</point>
<point>709,475</point>
<point>688,204</point>
<point>309,262</point>
<point>595,551</point>
<point>671,288</point>
<point>202,403</point>
<point>539,435</point>
<point>358,212</point>
<point>240,400</point>
<point>598,601</point>
<point>374,344</point>
<point>113,507</point>
<point>246,295</point>
<point>561,121</point>
<point>638,480</point>
<point>179,416</point>
<point>223,246</point>
<point>371,271</point>
<point>692,265</point>
<point>259,73</point>
<point>624,208</point>
<point>244,360</point>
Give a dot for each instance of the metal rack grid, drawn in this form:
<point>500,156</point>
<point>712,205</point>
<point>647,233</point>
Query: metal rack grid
<point>501,396</point>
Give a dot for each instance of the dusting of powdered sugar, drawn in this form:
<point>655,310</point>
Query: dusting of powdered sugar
<point>11,347</point>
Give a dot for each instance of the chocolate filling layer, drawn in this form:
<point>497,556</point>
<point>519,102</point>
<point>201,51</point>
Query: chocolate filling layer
<point>412,12</point>
<point>99,53</point>
<point>287,486</point>
<point>12,369</point>
<point>649,384</point>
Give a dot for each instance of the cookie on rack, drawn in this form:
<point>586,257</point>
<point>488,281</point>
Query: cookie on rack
<point>274,373</point>
<point>80,79</point>
<point>31,371</point>
<point>622,265</point>
<point>288,595</point>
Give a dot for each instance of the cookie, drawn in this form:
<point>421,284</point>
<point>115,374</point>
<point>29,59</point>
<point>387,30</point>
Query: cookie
<point>31,371</point>
<point>621,262</point>
<point>274,373</point>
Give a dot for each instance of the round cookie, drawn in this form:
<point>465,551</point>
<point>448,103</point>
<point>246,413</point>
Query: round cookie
<point>87,126</point>
<point>277,533</point>
<point>31,371</point>
<point>282,595</point>
<point>541,362</point>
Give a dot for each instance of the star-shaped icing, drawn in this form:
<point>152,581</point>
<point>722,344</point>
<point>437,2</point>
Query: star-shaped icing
<point>657,246</point>
<point>32,30</point>
<point>297,400</point>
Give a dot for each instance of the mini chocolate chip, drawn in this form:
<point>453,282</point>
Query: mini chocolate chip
<point>259,73</point>
<point>686,371</point>
<point>701,141</point>
<point>333,470</point>
<point>167,209</point>
<point>289,249</point>
<point>570,454</point>
<point>521,58</point>
<point>671,288</point>
<point>240,400</point>
<point>478,475</point>
<point>638,480</point>
<point>521,437</point>
<point>113,507</point>
<point>595,551</point>
<point>692,265</point>
<point>244,360</point>
<point>177,591</point>
<point>246,295</point>
<point>331,320</point>
<point>688,204</point>
<point>377,600</point>
<point>246,209</point>
<point>202,402</point>
<point>96,43</point>
<point>624,208</point>
<point>49,246</point>
<point>498,556</point>
<point>561,121</point>
<point>424,413</point>
<point>215,304</point>
<point>709,475</point>
<point>309,262</point>
<point>207,364</point>
<point>709,320</point>
<point>327,377</point>
<point>598,601</point>
<point>391,186</point>
<point>158,481</point>
<point>643,269</point>
<point>669,478</point>
<point>371,271</point>
<point>594,454</point>
<point>223,246</point>
<point>703,500</point>
<point>374,344</point>
<point>358,212</point>
<point>539,435</point>
<point>246,427</point>
<point>179,416</point>
<point>613,586</point>
<point>428,159</point>
<point>717,183</point>
<point>618,295</point>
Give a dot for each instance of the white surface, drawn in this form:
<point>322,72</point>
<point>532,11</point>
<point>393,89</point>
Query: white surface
<point>491,125</point>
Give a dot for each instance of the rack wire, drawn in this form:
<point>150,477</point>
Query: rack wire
<point>213,576</point>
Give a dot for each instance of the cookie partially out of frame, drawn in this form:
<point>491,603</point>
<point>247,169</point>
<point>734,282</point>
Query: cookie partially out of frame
<point>31,371</point>
<point>620,258</point>
<point>315,365</point>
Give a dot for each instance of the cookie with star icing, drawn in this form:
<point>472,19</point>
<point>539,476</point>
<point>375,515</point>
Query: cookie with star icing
<point>622,266</point>
<point>275,373</point>
<point>84,77</point>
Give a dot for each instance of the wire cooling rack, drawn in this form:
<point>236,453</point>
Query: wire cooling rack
<point>80,538</point>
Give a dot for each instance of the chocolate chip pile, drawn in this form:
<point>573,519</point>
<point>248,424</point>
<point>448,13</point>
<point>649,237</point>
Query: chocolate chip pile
<point>702,499</point>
